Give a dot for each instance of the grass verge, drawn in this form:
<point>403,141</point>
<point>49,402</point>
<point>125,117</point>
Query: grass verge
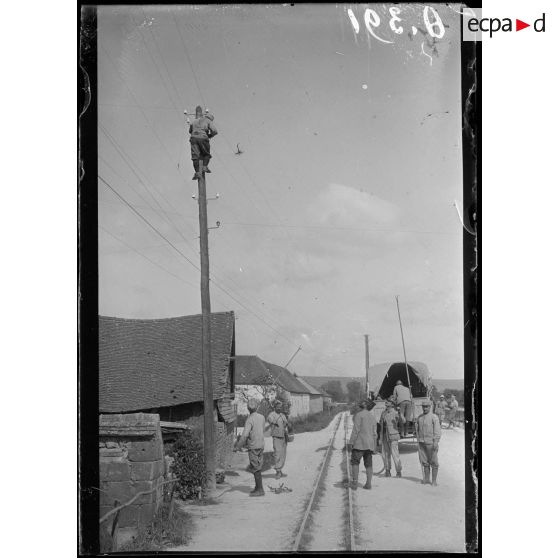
<point>312,423</point>
<point>163,532</point>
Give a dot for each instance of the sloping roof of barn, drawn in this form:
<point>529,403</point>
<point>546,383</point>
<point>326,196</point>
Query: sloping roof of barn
<point>310,388</point>
<point>151,363</point>
<point>251,369</point>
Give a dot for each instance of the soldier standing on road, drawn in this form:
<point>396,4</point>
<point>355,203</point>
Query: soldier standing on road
<point>362,443</point>
<point>389,422</point>
<point>440,409</point>
<point>253,435</point>
<point>428,436</point>
<point>278,424</point>
<point>453,405</point>
<point>402,396</point>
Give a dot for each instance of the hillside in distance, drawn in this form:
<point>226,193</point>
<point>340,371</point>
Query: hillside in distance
<point>318,381</point>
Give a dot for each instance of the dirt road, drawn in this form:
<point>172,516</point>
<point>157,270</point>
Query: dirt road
<point>402,514</point>
<point>397,514</point>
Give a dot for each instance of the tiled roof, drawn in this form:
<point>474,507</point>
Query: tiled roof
<point>146,364</point>
<point>311,389</point>
<point>251,369</point>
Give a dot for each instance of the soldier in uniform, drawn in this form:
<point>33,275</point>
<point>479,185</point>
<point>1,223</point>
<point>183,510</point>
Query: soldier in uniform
<point>428,436</point>
<point>440,409</point>
<point>389,422</point>
<point>362,443</point>
<point>453,405</point>
<point>201,131</point>
<point>278,424</point>
<point>253,436</point>
<point>402,395</point>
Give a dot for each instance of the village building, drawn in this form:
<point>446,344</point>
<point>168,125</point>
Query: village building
<point>262,380</point>
<point>315,383</point>
<point>155,366</point>
<point>327,399</point>
<point>316,397</point>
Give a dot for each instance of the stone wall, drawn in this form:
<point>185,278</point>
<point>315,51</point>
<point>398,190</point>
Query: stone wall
<point>191,414</point>
<point>130,461</point>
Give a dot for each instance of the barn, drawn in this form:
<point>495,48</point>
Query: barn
<point>316,397</point>
<point>154,366</point>
<point>263,380</point>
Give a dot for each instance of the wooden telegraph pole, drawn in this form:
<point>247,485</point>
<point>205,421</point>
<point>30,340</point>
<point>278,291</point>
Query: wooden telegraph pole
<point>367,366</point>
<point>208,420</point>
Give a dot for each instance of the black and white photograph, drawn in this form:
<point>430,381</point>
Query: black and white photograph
<point>284,332</point>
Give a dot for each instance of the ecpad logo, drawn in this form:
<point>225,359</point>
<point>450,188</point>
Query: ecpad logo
<point>474,25</point>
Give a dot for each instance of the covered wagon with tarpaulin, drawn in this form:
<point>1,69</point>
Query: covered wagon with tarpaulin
<point>383,377</point>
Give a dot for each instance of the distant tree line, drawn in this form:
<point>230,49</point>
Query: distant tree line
<point>355,391</point>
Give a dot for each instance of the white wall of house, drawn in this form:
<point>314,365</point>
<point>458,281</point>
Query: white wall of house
<point>300,404</point>
<point>316,404</point>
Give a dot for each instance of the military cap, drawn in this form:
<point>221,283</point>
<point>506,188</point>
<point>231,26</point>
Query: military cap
<point>252,404</point>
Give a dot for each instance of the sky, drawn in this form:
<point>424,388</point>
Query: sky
<point>344,195</point>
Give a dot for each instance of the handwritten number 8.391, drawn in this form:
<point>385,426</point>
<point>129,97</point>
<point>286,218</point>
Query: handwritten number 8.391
<point>432,21</point>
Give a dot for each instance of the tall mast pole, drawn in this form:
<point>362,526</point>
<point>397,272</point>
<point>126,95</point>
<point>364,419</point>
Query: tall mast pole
<point>404,352</point>
<point>366,366</point>
<point>208,418</point>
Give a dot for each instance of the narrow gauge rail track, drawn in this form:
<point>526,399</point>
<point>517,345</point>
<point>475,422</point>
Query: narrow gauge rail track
<point>346,521</point>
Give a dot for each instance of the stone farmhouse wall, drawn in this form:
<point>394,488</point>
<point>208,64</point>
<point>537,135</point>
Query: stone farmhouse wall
<point>131,460</point>
<point>191,414</point>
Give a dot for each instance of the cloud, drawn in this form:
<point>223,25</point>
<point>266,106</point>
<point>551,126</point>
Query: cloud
<point>344,206</point>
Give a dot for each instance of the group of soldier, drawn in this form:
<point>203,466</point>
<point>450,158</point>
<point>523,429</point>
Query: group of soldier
<point>364,441</point>
<point>367,435</point>
<point>446,410</point>
<point>394,423</point>
<point>253,438</point>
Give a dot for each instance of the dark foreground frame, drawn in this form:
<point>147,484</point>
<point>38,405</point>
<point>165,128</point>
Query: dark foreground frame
<point>88,359</point>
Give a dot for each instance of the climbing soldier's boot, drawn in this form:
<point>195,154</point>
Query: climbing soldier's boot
<point>258,490</point>
<point>426,475</point>
<point>434,476</point>
<point>354,477</point>
<point>368,484</point>
<point>196,176</point>
<point>278,474</point>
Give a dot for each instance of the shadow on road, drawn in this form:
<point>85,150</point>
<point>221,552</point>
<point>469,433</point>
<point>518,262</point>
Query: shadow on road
<point>414,479</point>
<point>243,489</point>
<point>272,476</point>
<point>268,461</point>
